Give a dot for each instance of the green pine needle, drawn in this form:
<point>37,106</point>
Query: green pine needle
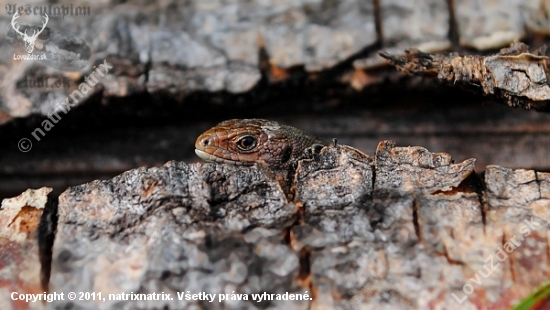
<point>542,294</point>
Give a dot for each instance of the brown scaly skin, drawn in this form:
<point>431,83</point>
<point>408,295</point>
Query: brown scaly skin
<point>244,142</point>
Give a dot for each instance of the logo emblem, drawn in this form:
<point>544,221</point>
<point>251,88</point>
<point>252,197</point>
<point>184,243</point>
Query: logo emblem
<point>29,40</point>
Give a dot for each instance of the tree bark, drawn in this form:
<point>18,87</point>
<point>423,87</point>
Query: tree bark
<point>405,229</point>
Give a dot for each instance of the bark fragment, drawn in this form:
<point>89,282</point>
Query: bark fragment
<point>514,75</point>
<point>518,209</point>
<point>20,261</point>
<point>180,228</point>
<point>486,25</point>
<point>402,229</point>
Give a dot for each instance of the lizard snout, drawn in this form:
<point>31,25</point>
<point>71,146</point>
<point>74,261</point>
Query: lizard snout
<point>204,142</point>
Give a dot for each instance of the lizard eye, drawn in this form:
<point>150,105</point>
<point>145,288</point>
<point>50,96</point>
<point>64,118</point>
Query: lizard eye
<point>246,143</point>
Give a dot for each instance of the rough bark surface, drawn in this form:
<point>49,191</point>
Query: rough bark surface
<point>492,24</point>
<point>20,259</point>
<point>177,48</point>
<point>403,229</point>
<point>517,76</point>
<point>189,228</point>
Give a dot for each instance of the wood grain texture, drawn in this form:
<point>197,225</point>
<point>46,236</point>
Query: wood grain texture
<point>404,228</point>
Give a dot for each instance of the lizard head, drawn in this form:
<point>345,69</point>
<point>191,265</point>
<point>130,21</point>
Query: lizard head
<point>244,142</point>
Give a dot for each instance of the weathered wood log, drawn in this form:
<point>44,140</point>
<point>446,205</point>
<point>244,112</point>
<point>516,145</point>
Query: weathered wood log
<point>308,45</point>
<point>405,229</point>
<point>203,47</point>
<point>515,75</point>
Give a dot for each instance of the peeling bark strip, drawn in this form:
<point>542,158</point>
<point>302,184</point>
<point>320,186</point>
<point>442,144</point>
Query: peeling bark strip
<point>403,229</point>
<point>514,74</point>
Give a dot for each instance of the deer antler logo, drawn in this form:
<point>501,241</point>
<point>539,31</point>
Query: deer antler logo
<point>29,40</point>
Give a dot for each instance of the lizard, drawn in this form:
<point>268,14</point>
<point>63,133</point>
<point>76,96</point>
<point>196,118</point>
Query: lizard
<point>244,142</point>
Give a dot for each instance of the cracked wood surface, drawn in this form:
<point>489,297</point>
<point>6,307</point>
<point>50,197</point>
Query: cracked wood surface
<point>404,229</point>
<point>21,268</point>
<point>177,48</point>
<point>172,53</point>
<point>515,75</point>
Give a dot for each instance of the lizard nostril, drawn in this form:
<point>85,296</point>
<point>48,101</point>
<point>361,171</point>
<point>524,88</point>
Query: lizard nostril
<point>205,142</point>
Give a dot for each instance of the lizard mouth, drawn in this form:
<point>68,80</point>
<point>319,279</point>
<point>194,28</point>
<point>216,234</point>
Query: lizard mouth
<point>213,159</point>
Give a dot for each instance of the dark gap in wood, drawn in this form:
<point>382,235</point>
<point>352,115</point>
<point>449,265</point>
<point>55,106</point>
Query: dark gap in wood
<point>287,234</point>
<point>148,65</point>
<point>538,183</point>
<point>378,23</point>
<point>415,218</point>
<point>305,263</point>
<point>263,64</point>
<point>305,271</point>
<point>449,259</point>
<point>45,236</point>
<point>484,205</point>
<point>480,188</point>
<point>454,35</point>
<point>468,185</point>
